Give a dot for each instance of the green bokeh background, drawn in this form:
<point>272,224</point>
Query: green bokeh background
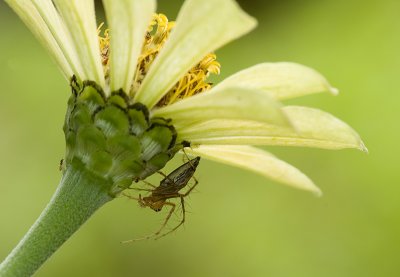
<point>239,224</point>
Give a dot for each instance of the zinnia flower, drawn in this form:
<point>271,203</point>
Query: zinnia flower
<point>164,66</point>
<point>140,94</point>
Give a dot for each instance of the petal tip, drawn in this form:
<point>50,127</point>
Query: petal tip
<point>334,91</point>
<point>317,192</point>
<point>253,22</point>
<point>363,148</point>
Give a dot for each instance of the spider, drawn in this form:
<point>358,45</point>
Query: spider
<point>168,189</point>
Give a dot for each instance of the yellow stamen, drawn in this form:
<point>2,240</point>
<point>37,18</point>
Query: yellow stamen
<point>193,82</point>
<point>104,41</point>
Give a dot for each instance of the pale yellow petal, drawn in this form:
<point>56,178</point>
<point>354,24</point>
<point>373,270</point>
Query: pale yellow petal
<point>33,20</point>
<point>61,35</point>
<point>128,21</point>
<point>258,161</point>
<point>79,18</point>
<point>202,26</point>
<point>283,80</point>
<point>312,128</point>
<point>239,103</point>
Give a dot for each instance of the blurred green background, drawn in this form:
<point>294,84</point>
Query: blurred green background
<point>239,224</point>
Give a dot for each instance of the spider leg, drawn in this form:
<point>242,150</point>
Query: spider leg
<point>196,182</point>
<point>149,184</point>
<point>139,200</point>
<point>181,196</point>
<point>162,174</point>
<point>180,223</point>
<point>131,197</point>
<point>165,176</point>
<point>171,211</point>
<point>185,156</point>
<point>139,189</point>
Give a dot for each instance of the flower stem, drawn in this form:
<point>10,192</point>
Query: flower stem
<point>78,196</point>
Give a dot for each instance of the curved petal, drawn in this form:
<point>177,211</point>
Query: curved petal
<point>50,15</point>
<point>79,17</point>
<point>128,21</point>
<point>202,27</point>
<point>313,128</point>
<point>33,20</point>
<point>283,80</point>
<point>258,161</point>
<point>231,103</point>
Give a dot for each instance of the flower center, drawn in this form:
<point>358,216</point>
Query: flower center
<point>193,82</point>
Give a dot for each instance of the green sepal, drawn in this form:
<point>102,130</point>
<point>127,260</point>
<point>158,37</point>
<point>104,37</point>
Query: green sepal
<point>89,140</point>
<point>112,120</point>
<point>139,114</point>
<point>119,98</point>
<point>156,163</point>
<point>92,95</point>
<point>157,139</point>
<point>115,139</point>
<point>99,162</point>
<point>80,116</point>
<point>124,147</point>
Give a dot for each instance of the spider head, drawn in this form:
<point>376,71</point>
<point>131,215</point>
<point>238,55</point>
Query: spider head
<point>149,201</point>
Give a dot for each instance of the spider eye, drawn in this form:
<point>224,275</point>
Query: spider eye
<point>159,209</point>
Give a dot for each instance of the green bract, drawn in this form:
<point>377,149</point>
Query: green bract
<point>113,139</point>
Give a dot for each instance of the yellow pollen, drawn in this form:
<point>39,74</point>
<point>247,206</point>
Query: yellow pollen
<point>193,82</point>
<point>104,41</point>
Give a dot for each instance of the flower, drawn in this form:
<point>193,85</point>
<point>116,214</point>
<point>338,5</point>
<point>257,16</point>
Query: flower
<point>164,66</point>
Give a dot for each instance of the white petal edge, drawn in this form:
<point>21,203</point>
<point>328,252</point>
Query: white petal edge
<point>58,29</point>
<point>128,22</point>
<point>233,103</point>
<point>32,19</point>
<point>258,161</point>
<point>283,80</point>
<point>312,128</point>
<point>201,27</point>
<point>79,18</point>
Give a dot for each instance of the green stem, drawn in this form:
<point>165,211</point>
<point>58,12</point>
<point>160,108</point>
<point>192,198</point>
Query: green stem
<point>78,196</point>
